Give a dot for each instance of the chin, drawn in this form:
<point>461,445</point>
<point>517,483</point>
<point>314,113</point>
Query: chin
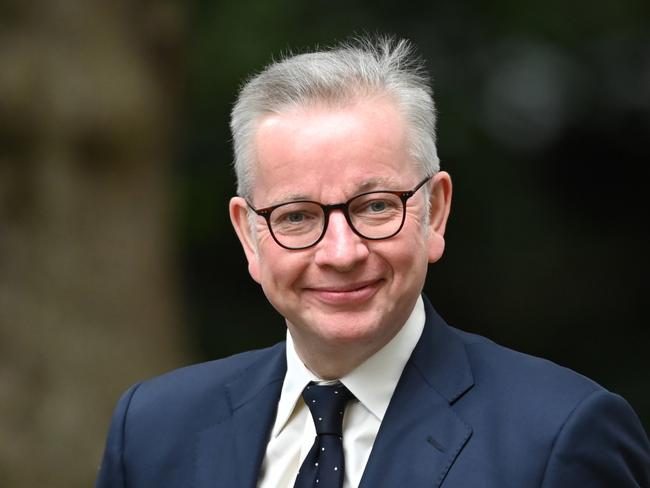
<point>347,329</point>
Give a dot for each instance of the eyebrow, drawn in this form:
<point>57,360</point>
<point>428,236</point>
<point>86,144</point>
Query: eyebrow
<point>376,183</point>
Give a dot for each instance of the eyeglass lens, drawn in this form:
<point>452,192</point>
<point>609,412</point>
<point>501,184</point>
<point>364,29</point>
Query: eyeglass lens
<point>375,215</point>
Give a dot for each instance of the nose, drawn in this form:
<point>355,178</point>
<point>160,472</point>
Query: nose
<point>340,247</point>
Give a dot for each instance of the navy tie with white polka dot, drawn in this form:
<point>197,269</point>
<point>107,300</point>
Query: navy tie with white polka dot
<point>323,466</point>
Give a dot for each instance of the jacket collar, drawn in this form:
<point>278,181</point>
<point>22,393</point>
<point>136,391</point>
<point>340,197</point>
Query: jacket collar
<point>421,434</point>
<point>230,452</point>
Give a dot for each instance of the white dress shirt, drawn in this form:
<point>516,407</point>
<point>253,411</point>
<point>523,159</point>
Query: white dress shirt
<point>372,383</point>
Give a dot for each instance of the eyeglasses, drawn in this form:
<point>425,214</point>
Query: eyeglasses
<point>373,215</point>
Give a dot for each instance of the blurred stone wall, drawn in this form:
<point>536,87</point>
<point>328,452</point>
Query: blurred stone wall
<point>87,297</point>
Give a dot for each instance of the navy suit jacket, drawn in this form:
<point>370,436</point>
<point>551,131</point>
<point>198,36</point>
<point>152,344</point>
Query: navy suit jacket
<point>466,413</point>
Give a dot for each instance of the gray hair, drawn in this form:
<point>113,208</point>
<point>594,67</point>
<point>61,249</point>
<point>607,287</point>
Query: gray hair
<point>339,75</point>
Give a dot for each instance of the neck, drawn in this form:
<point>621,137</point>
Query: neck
<point>334,361</point>
<point>330,366</point>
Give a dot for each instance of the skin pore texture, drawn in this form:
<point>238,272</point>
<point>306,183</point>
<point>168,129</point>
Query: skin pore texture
<point>346,297</point>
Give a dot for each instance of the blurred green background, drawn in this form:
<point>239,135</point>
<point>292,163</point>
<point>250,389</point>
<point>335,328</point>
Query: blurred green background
<point>117,259</point>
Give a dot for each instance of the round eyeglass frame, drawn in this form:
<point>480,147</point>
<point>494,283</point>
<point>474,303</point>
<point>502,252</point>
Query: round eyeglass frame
<point>343,207</point>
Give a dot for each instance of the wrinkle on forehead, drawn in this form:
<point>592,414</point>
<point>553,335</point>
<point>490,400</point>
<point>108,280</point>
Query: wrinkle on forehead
<point>369,184</point>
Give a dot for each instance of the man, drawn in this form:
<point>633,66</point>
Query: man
<point>341,207</point>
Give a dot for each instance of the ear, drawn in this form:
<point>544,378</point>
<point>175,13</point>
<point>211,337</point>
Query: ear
<point>239,218</point>
<point>440,207</point>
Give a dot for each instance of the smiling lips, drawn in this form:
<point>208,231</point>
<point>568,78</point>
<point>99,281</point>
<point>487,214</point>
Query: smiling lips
<point>346,294</point>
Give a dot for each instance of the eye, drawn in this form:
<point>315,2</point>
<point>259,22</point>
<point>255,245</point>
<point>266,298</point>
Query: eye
<point>291,217</point>
<point>294,217</point>
<point>377,206</point>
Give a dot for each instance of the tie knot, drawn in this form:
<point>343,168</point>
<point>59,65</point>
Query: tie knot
<point>327,404</point>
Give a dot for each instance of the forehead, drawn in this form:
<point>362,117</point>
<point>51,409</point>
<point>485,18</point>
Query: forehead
<point>319,148</point>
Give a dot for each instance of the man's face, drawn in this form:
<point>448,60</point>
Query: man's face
<point>345,290</point>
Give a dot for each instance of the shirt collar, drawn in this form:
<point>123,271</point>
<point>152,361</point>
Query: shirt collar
<point>372,382</point>
<point>295,381</point>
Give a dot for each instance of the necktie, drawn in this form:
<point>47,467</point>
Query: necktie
<point>323,466</point>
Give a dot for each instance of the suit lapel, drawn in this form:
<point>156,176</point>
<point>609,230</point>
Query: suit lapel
<point>230,452</point>
<point>421,436</point>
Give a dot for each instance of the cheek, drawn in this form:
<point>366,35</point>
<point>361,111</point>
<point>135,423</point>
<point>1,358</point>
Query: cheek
<point>409,261</point>
<point>280,270</point>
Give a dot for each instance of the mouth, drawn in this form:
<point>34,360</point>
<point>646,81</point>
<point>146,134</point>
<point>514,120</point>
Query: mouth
<point>346,294</point>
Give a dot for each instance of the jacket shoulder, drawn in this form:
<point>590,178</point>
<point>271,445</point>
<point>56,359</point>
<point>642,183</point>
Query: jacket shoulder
<point>498,365</point>
<point>197,391</point>
<point>563,429</point>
